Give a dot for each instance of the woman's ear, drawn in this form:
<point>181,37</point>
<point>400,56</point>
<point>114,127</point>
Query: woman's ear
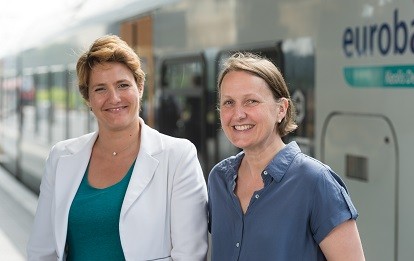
<point>283,107</point>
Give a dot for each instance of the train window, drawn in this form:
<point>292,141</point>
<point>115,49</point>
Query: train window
<point>27,103</point>
<point>33,132</point>
<point>53,109</point>
<point>299,72</point>
<point>42,106</point>
<point>182,75</point>
<point>9,116</point>
<point>58,104</point>
<point>181,104</point>
<point>80,118</point>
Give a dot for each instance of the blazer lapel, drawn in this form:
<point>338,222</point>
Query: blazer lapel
<point>145,165</point>
<point>142,175</point>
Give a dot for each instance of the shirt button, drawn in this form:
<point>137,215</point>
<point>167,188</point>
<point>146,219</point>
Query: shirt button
<point>256,196</point>
<point>265,172</point>
<point>237,244</point>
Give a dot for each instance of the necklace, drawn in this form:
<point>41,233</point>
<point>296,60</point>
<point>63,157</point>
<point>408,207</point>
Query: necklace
<point>133,140</point>
<point>116,153</point>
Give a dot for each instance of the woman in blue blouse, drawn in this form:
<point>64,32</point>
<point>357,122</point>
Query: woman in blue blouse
<point>270,201</point>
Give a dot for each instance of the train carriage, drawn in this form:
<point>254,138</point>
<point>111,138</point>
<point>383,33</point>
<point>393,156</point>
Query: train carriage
<point>348,64</point>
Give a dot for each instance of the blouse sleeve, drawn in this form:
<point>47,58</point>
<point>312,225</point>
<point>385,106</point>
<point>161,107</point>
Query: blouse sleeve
<point>332,204</point>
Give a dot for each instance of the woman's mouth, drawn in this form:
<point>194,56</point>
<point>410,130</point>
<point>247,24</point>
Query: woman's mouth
<point>243,127</point>
<point>116,109</point>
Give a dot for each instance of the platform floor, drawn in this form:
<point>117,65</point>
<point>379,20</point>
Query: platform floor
<point>17,209</point>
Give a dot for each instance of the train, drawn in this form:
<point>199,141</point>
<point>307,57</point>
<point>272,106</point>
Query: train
<point>349,66</point>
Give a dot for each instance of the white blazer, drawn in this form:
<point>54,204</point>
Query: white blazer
<point>164,212</point>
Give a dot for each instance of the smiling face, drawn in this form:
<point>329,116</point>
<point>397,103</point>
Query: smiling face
<point>248,111</point>
<point>114,96</point>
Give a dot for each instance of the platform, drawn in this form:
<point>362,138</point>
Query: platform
<point>17,209</point>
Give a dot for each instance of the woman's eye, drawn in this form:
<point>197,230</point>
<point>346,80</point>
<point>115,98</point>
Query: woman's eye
<point>123,85</point>
<point>227,103</point>
<point>251,102</point>
<point>99,89</point>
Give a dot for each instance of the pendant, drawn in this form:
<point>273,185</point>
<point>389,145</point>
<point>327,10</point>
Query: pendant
<point>114,153</point>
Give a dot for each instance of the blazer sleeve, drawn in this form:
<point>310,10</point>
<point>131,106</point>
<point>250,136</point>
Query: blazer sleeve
<point>189,208</point>
<point>41,244</point>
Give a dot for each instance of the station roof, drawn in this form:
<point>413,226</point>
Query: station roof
<point>23,28</point>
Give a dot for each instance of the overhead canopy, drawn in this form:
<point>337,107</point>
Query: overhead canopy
<point>51,18</point>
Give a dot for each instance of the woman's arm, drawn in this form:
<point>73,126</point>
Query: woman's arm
<point>41,245</point>
<point>189,209</point>
<point>343,243</point>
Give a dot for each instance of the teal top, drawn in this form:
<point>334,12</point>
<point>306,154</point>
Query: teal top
<point>93,225</point>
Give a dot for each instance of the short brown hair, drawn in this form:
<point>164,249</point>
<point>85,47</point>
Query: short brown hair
<point>108,48</point>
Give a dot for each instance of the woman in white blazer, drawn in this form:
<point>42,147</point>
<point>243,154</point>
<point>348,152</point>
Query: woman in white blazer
<point>125,192</point>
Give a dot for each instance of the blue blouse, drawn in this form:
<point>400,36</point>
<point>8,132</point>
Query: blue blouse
<point>301,202</point>
<point>93,224</point>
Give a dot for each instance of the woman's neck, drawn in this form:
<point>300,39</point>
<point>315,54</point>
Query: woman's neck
<point>256,160</point>
<point>117,142</point>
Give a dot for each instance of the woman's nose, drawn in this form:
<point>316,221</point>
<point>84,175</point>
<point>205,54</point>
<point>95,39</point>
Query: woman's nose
<point>114,95</point>
<point>239,113</point>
